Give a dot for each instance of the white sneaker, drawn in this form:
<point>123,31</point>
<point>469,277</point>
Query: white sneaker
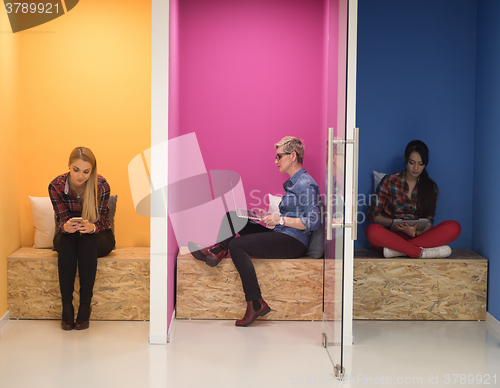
<point>435,253</point>
<point>390,253</point>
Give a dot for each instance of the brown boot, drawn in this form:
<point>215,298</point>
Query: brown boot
<point>201,253</point>
<point>68,316</point>
<point>251,315</point>
<point>83,317</point>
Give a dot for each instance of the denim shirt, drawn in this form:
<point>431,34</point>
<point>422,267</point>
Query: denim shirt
<point>300,201</point>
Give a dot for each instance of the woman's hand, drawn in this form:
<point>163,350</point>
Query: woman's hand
<point>71,226</point>
<point>405,228</point>
<point>74,226</point>
<point>271,220</point>
<point>86,227</point>
<point>384,221</point>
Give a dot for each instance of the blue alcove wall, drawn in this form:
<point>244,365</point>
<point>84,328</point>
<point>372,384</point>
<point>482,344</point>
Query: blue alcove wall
<point>416,80</point>
<point>428,70</point>
<point>486,183</point>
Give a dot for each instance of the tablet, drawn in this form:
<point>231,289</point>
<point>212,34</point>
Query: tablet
<point>421,223</point>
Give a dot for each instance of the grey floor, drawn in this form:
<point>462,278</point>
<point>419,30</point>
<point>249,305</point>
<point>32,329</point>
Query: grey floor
<point>267,354</point>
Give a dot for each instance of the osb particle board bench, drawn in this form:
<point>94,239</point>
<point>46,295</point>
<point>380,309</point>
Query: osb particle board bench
<point>401,288</point>
<point>293,288</point>
<point>121,290</point>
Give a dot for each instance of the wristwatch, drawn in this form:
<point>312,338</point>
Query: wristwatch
<point>282,221</point>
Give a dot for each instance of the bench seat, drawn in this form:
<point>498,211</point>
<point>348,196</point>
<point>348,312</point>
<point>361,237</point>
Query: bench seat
<point>402,288</point>
<point>293,288</point>
<point>121,290</point>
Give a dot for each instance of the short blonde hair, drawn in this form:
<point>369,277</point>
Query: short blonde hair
<point>292,144</point>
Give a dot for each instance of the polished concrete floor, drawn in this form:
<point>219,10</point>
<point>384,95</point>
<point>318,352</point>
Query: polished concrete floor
<point>268,354</point>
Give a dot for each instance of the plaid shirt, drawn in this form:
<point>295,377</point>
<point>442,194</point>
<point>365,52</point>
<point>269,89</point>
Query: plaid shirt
<point>66,205</point>
<point>391,199</point>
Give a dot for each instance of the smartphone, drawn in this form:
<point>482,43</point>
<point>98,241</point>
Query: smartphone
<point>77,219</point>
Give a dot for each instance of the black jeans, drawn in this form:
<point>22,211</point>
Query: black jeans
<point>80,250</point>
<point>255,240</point>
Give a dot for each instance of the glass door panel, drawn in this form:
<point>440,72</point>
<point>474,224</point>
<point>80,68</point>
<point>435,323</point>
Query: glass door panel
<point>341,183</point>
<point>334,252</point>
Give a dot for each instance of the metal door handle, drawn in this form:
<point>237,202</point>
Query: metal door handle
<point>329,186</point>
<point>354,224</point>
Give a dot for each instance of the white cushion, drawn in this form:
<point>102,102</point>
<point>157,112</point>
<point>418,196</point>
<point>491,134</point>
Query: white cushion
<point>43,219</point>
<point>317,240</point>
<point>274,203</point>
<point>377,177</point>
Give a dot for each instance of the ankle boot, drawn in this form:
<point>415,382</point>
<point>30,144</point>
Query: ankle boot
<point>68,316</point>
<point>201,253</point>
<point>83,317</point>
<point>251,315</point>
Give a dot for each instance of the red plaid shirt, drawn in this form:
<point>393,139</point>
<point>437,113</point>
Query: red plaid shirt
<point>66,205</point>
<point>391,199</point>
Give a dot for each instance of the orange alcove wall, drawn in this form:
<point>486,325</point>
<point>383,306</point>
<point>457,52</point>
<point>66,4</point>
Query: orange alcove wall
<point>9,152</point>
<point>81,79</point>
<point>85,79</point>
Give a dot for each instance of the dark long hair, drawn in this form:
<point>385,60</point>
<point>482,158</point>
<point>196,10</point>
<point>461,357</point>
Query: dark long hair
<point>426,187</point>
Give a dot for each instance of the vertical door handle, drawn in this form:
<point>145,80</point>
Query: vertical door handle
<point>354,224</point>
<point>355,184</point>
<point>329,186</point>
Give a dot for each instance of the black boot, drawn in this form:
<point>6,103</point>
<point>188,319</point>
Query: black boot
<point>83,317</point>
<point>68,316</point>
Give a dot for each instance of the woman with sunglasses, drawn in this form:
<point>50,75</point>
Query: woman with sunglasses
<point>283,236</point>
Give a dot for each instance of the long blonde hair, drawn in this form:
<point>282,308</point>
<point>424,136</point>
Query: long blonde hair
<point>90,198</point>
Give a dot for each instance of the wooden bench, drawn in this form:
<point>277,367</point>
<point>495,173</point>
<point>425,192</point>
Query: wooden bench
<point>293,288</point>
<point>401,288</point>
<point>121,290</point>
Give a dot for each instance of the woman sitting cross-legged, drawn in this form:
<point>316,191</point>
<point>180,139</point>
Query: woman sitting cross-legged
<point>285,236</point>
<point>409,195</point>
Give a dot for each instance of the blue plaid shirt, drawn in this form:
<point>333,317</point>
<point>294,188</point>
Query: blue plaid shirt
<point>300,201</point>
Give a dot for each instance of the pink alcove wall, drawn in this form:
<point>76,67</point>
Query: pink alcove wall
<point>245,73</point>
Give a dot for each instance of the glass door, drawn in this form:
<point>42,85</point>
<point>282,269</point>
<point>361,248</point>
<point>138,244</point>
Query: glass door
<point>341,204</point>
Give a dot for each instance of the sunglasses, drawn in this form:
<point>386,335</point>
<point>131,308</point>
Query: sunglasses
<point>279,156</point>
